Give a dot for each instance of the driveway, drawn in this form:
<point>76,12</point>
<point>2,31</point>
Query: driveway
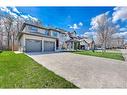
<point>85,71</point>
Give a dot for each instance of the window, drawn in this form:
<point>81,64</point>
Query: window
<point>54,34</point>
<point>33,29</point>
<point>44,32</point>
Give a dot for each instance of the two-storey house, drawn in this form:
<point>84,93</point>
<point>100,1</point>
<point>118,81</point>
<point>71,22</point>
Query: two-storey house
<point>34,38</point>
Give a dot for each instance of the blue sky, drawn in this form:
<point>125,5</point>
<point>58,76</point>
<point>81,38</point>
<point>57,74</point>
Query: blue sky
<point>72,18</point>
<point>63,17</point>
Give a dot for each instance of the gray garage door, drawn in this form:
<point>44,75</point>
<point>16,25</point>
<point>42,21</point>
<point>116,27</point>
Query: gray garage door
<point>49,46</point>
<point>33,45</point>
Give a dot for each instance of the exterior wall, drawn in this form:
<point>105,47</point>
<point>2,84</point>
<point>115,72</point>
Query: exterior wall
<point>25,36</point>
<point>22,43</point>
<point>85,44</point>
<point>70,45</point>
<point>62,39</point>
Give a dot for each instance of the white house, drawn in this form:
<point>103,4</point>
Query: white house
<point>34,38</point>
<point>86,43</point>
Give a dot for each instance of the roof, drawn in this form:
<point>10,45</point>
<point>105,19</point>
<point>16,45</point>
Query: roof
<point>88,40</point>
<point>46,28</point>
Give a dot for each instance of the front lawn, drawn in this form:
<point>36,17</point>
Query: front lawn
<point>111,55</point>
<point>20,71</point>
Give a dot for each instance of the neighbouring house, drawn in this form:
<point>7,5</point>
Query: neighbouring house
<point>81,43</point>
<point>72,44</point>
<point>87,43</point>
<point>72,41</point>
<point>117,42</point>
<point>34,38</point>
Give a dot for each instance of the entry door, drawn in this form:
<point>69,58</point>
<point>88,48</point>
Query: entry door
<point>49,46</point>
<point>33,45</point>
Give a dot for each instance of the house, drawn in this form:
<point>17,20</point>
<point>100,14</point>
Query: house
<point>86,43</point>
<point>117,42</point>
<point>81,43</point>
<point>72,41</point>
<point>33,38</point>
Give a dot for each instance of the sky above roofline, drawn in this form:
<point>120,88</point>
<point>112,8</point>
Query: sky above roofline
<point>72,18</point>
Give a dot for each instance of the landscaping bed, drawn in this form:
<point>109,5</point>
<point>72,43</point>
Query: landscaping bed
<point>20,71</point>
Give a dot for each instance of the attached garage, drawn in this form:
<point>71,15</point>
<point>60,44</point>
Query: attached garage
<point>33,45</point>
<point>49,46</point>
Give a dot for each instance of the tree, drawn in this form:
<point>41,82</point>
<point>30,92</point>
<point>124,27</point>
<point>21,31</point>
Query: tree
<point>10,25</point>
<point>104,28</point>
<point>5,25</point>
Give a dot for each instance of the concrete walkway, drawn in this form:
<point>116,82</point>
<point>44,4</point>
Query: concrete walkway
<point>85,71</point>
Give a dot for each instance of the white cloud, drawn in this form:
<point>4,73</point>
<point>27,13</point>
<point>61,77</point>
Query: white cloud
<point>14,9</point>
<point>123,29</point>
<point>80,24</point>
<point>120,34</point>
<point>28,17</point>
<point>33,18</point>
<point>117,26</point>
<point>74,26</point>
<point>120,13</point>
<point>24,16</point>
<point>5,9</point>
<point>90,35</point>
<point>98,19</point>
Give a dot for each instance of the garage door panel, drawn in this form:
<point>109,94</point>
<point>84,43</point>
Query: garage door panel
<point>33,45</point>
<point>49,46</point>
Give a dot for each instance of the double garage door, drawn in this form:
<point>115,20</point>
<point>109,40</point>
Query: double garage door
<point>36,46</point>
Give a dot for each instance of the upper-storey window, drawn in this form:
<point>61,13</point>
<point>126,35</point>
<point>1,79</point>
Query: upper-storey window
<point>63,37</point>
<point>54,34</point>
<point>44,32</point>
<point>32,29</point>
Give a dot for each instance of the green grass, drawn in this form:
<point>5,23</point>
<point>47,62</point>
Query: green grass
<point>111,55</point>
<point>20,71</point>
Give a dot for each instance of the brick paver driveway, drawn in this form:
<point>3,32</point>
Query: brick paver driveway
<point>86,71</point>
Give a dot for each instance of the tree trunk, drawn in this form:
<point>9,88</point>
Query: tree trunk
<point>13,42</point>
<point>105,46</point>
<point>8,42</point>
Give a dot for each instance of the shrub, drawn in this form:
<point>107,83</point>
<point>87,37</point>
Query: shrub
<point>0,51</point>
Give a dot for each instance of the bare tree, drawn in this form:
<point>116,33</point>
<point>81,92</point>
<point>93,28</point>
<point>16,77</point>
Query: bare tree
<point>104,28</point>
<point>10,25</point>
